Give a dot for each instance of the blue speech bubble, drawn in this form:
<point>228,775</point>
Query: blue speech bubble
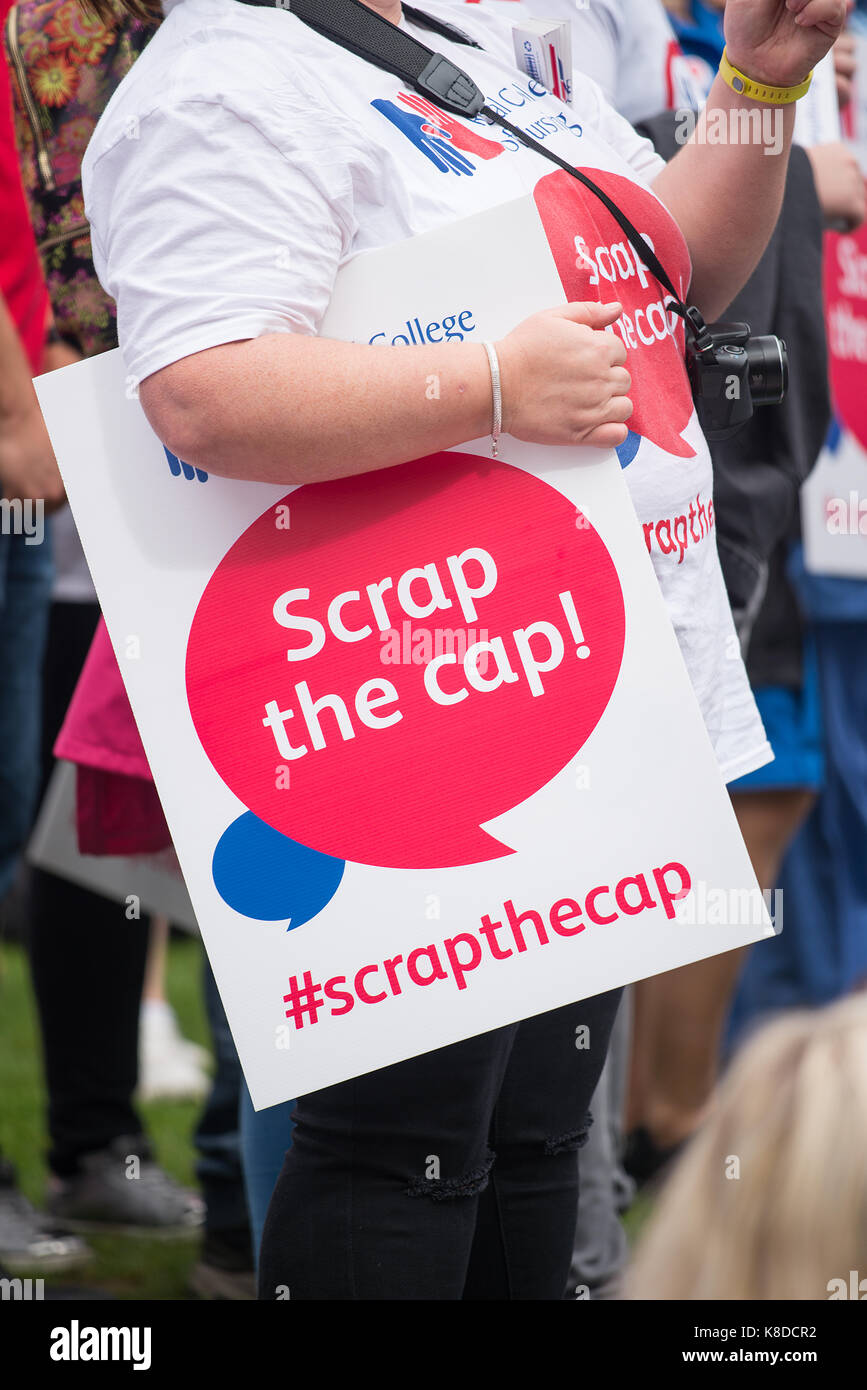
<point>629,448</point>
<point>262,874</point>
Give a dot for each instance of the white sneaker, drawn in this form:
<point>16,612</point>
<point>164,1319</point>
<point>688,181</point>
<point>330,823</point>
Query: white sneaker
<point>170,1066</point>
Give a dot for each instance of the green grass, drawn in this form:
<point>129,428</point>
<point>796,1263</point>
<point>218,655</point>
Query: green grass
<point>636,1217</point>
<point>123,1267</point>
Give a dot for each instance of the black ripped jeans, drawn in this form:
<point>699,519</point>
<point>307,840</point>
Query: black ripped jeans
<point>453,1175</point>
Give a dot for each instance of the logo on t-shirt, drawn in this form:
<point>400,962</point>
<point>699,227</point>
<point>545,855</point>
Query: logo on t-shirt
<point>447,143</point>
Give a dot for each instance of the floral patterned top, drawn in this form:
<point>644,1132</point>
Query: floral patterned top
<point>66,63</point>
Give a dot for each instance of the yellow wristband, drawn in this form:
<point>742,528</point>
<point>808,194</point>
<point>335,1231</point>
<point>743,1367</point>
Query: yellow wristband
<point>759,91</point>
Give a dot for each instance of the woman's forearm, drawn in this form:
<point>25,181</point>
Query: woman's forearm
<point>27,465</point>
<point>289,409</point>
<point>726,197</point>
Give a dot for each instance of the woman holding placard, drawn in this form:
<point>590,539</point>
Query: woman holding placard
<point>245,160</point>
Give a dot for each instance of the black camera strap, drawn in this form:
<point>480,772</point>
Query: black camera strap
<point>367,34</point>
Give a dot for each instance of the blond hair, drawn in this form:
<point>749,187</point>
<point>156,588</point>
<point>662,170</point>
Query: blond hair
<point>769,1201</point>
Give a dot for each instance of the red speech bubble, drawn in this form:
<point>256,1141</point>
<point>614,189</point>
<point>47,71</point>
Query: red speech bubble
<point>846,313</point>
<point>423,735</point>
<point>595,261</point>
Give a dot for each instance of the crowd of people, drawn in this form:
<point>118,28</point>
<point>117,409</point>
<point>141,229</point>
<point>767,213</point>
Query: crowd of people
<point>147,152</point>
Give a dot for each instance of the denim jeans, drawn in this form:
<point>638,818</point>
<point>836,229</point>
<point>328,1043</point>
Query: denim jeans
<point>601,1247</point>
<point>25,592</point>
<point>265,1137</point>
<point>453,1175</point>
<point>217,1137</point>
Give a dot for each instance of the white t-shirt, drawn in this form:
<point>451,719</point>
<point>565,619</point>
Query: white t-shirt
<point>627,46</point>
<point>245,159</point>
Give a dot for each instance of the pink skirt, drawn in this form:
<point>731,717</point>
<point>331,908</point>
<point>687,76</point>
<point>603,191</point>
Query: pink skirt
<point>117,807</point>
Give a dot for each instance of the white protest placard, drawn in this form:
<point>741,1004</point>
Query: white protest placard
<point>834,496</point>
<point>834,510</point>
<point>424,738</point>
<point>817,117</point>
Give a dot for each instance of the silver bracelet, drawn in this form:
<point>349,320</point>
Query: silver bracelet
<point>496,387</point>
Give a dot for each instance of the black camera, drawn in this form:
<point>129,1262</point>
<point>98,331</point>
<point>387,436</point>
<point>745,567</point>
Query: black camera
<point>732,373</point>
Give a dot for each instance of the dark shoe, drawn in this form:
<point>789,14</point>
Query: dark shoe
<point>225,1271</point>
<point>122,1191</point>
<point>28,1243</point>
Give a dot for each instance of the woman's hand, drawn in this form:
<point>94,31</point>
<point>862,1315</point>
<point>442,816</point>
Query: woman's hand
<point>777,42</point>
<point>840,185</point>
<point>28,468</point>
<point>563,378</point>
<point>780,41</point>
<point>59,353</point>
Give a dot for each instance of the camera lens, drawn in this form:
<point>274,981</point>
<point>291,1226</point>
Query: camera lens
<point>768,370</point>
